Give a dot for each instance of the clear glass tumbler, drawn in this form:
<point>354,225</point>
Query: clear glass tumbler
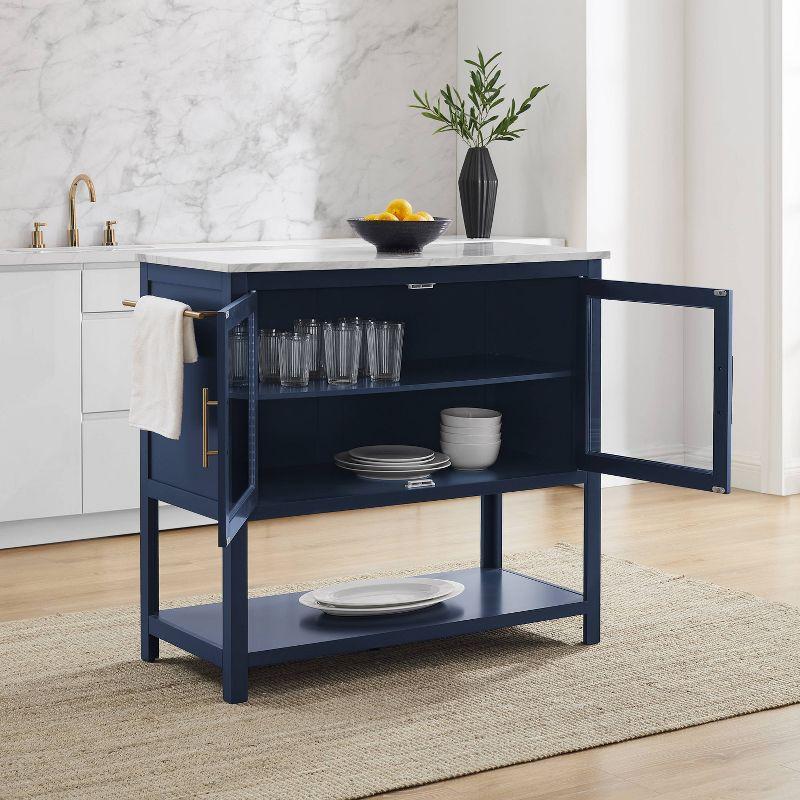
<point>342,349</point>
<point>237,351</point>
<point>269,359</point>
<point>363,368</point>
<point>295,353</point>
<point>385,351</point>
<point>313,328</point>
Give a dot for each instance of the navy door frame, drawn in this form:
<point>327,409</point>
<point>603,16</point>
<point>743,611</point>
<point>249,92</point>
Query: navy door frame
<point>593,459</point>
<point>234,512</point>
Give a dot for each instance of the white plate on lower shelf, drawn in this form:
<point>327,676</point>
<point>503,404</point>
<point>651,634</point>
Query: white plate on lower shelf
<point>308,600</point>
<point>439,461</point>
<point>382,592</point>
<point>391,454</point>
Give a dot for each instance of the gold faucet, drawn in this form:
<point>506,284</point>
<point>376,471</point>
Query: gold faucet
<point>74,239</point>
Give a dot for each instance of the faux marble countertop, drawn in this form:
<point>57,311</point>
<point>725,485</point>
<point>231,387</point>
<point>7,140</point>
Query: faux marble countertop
<point>357,254</point>
<point>240,255</point>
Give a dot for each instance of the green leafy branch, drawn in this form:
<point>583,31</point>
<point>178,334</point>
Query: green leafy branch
<point>471,122</point>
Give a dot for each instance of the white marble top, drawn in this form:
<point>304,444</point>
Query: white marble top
<point>21,258</point>
<point>357,254</point>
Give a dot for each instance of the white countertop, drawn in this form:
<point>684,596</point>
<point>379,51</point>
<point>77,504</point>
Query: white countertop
<point>356,254</point>
<point>97,256</point>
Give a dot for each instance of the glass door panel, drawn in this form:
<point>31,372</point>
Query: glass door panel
<point>662,409</point>
<point>237,380</point>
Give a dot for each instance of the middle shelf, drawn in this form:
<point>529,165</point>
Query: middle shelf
<point>317,488</point>
<point>428,374</point>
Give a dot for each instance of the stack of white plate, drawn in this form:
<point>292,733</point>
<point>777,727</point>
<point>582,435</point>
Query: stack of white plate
<point>392,462</point>
<point>471,436</point>
<point>381,596</point>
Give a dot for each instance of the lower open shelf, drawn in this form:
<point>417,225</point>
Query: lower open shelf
<point>280,629</point>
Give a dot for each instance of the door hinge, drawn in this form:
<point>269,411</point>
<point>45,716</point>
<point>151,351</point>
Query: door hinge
<point>720,292</point>
<point>718,490</point>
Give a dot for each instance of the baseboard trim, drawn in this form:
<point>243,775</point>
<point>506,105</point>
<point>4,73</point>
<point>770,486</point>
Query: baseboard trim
<point>791,479</point>
<point>28,532</point>
<point>745,468</point>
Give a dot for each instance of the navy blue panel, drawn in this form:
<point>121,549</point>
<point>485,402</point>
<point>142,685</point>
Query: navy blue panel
<point>178,497</point>
<point>395,275</point>
<point>533,319</point>
<point>179,463</point>
<point>716,479</point>
<point>196,645</point>
<point>238,419</point>
<point>280,629</point>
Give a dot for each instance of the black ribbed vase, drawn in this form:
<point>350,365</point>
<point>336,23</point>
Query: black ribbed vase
<point>477,185</point>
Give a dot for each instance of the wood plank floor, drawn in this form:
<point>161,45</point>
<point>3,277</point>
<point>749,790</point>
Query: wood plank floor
<point>747,541</point>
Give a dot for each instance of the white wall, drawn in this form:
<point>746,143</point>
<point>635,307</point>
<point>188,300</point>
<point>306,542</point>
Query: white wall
<point>680,184</point>
<point>787,294</point>
<point>727,212</point>
<point>542,176</point>
<point>200,121</point>
<point>634,76</point>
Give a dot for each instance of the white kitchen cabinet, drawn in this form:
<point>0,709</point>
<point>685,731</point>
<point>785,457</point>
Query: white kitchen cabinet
<point>110,463</point>
<point>104,288</point>
<point>40,375</point>
<point>107,348</point>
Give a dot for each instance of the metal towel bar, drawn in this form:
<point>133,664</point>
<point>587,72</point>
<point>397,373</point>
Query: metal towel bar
<point>192,314</point>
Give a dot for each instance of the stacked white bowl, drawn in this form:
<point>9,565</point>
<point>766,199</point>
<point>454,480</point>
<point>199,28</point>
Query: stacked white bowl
<point>471,436</point>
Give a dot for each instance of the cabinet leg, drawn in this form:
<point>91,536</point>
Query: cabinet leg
<point>591,558</point>
<point>148,574</point>
<point>234,618</point>
<point>492,531</point>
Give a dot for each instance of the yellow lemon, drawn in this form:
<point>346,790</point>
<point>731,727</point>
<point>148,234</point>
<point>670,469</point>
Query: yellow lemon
<point>383,216</point>
<point>400,208</point>
<point>424,215</point>
<point>417,218</point>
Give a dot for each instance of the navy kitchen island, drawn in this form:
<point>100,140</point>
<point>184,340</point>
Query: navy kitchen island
<point>504,324</point>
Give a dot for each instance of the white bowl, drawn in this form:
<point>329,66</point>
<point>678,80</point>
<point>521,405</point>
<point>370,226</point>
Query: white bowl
<point>465,438</point>
<point>476,418</point>
<point>471,456</point>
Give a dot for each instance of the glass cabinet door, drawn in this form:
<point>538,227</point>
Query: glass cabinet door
<point>237,381</point>
<point>675,343</point>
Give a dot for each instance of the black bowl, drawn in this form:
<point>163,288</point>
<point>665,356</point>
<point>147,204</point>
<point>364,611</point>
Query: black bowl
<point>402,238</point>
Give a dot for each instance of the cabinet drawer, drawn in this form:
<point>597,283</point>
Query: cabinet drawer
<point>105,289</point>
<point>107,348</point>
<point>110,464</point>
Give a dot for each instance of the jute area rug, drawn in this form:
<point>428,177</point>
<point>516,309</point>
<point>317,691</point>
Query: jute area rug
<point>82,717</point>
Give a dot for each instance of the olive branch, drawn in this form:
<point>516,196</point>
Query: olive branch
<point>484,94</point>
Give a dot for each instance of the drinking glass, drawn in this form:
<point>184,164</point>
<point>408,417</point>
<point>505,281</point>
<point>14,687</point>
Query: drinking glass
<point>237,350</point>
<point>342,348</point>
<point>269,359</point>
<point>295,352</point>
<point>363,368</point>
<point>313,328</point>
<point>385,351</point>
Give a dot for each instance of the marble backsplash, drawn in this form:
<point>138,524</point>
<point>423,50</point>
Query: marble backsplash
<point>200,121</point>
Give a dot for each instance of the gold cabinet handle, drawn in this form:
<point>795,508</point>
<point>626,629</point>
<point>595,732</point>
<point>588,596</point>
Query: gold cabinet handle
<point>206,404</point>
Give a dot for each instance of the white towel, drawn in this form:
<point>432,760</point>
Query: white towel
<point>163,341</point>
